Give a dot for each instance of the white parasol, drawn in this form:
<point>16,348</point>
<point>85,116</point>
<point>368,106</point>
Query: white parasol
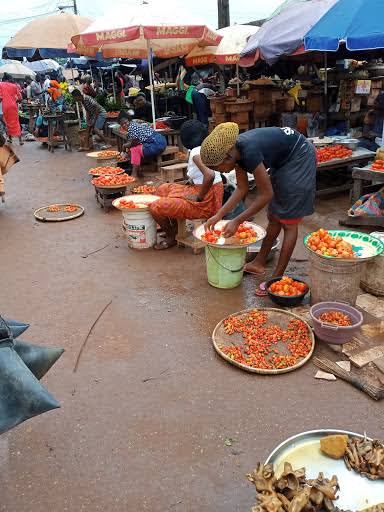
<point>153,28</point>
<point>228,50</point>
<point>16,69</point>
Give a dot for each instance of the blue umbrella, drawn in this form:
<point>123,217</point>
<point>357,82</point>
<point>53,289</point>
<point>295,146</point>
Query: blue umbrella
<point>358,23</point>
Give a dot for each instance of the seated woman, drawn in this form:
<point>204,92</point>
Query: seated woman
<point>41,127</point>
<point>143,141</point>
<point>199,200</point>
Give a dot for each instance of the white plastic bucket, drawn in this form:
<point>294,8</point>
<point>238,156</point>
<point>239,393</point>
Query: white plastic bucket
<point>139,228</point>
<point>138,223</point>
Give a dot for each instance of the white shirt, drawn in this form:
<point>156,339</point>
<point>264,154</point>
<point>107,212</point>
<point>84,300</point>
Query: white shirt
<point>194,172</point>
<point>47,84</point>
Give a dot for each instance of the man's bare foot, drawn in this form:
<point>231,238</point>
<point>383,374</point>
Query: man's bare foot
<point>254,268</point>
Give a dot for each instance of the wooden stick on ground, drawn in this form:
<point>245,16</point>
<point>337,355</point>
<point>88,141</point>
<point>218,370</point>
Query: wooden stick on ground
<point>88,335</point>
<point>328,366</point>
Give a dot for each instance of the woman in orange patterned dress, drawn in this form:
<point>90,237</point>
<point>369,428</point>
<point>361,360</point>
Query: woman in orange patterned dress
<point>197,200</point>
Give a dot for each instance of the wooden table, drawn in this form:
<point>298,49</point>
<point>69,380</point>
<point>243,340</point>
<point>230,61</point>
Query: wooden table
<point>32,110</point>
<point>360,176</point>
<point>360,157</point>
<point>55,123</point>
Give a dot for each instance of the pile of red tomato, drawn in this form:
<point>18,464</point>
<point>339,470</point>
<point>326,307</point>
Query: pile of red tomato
<point>335,318</point>
<point>144,189</point>
<point>287,287</point>
<point>324,244</point>
<point>127,203</point>
<point>332,152</point>
<point>378,165</point>
<point>259,349</point>
<point>245,234</point>
<point>108,181</point>
<point>107,170</point>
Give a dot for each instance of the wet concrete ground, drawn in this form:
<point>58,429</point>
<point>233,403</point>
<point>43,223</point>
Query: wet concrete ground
<point>144,420</point>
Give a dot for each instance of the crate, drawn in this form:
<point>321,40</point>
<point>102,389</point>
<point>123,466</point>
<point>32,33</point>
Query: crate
<point>220,118</point>
<point>217,105</point>
<point>240,118</point>
<point>239,106</point>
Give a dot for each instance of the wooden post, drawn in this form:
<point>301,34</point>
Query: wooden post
<point>223,13</point>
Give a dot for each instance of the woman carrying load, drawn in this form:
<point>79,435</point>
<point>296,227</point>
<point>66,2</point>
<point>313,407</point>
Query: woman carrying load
<point>287,187</point>
<point>200,199</point>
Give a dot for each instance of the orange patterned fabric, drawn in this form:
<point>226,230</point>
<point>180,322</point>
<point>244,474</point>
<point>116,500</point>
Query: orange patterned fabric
<point>173,202</point>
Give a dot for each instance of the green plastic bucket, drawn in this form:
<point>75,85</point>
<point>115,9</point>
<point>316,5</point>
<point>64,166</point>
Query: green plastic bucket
<point>225,266</point>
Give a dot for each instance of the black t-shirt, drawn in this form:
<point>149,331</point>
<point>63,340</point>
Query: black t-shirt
<point>271,146</point>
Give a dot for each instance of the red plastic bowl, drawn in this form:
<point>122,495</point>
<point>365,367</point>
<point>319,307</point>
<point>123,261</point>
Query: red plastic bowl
<point>335,334</point>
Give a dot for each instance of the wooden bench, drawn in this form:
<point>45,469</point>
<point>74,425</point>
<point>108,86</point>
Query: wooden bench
<point>174,172</point>
<point>168,156</point>
<point>185,237</point>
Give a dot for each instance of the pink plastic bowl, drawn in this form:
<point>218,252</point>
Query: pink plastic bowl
<point>335,334</point>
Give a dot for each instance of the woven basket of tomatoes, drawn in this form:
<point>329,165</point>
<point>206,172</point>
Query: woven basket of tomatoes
<point>286,291</point>
<point>264,340</point>
<point>116,181</point>
<point>106,170</point>
<point>247,233</point>
<point>325,244</point>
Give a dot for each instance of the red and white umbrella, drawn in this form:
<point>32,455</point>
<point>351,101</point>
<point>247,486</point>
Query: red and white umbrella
<point>163,29</point>
<point>227,52</point>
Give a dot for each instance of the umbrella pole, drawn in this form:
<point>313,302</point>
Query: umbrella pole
<point>77,105</point>
<point>238,80</point>
<point>151,83</point>
<point>113,86</point>
<point>90,70</point>
<point>326,88</point>
<point>101,79</point>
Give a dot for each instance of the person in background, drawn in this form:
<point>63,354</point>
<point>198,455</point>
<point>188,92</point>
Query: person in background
<point>200,102</point>
<point>143,141</point>
<point>88,90</point>
<point>46,86</point>
<point>41,127</point>
<point>10,94</point>
<point>96,116</point>
<point>143,108</point>
<point>373,125</point>
<point>36,89</point>
<point>128,83</point>
<point>288,188</point>
<point>201,198</point>
<point>119,87</point>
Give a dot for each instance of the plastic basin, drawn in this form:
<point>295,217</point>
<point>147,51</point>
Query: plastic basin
<point>289,302</point>
<point>335,334</point>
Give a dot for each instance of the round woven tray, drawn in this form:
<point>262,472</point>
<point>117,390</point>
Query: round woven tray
<point>275,316</point>
<point>45,216</point>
